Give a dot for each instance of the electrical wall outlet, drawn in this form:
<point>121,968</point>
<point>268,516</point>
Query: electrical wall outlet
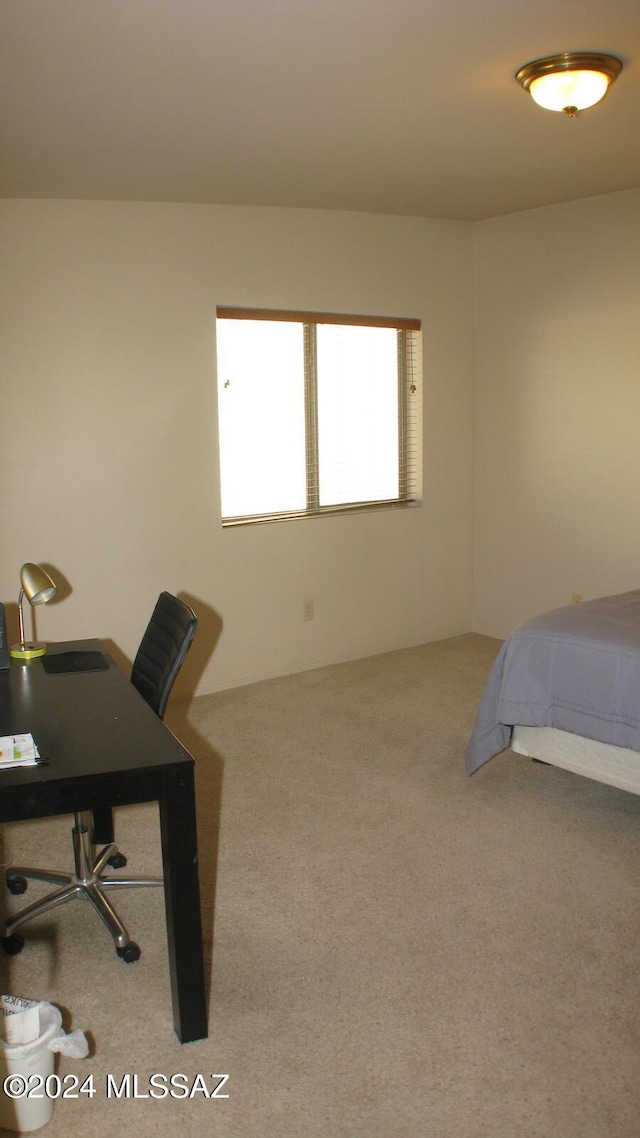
<point>307,610</point>
<point>577,598</point>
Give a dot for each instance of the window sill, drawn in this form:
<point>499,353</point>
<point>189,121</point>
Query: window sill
<point>322,512</point>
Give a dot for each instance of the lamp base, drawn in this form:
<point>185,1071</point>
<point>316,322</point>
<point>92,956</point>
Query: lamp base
<point>27,651</point>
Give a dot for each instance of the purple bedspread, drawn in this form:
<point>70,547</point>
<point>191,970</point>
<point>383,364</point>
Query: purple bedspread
<point>576,668</point>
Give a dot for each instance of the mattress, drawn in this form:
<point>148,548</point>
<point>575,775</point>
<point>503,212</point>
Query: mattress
<point>576,668</point>
<point>616,766</point>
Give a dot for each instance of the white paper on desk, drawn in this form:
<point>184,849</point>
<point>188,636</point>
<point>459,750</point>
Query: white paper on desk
<point>19,1019</point>
<point>18,750</point>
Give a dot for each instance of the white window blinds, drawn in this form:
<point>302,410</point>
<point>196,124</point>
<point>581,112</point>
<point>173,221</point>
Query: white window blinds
<point>317,413</point>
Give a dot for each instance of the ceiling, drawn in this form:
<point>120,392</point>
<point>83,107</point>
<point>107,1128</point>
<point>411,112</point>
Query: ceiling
<point>386,106</point>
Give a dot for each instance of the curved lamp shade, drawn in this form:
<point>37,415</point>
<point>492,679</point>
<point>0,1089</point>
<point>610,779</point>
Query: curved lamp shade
<point>38,588</point>
<point>571,81</point>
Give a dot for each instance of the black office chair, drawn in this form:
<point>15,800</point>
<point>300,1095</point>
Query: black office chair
<point>159,658</point>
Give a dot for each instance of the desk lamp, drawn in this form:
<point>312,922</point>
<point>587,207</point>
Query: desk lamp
<point>38,588</point>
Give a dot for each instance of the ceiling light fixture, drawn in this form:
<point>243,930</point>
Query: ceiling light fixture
<point>571,81</point>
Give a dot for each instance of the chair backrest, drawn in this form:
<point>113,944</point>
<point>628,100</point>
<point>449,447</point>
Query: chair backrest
<point>163,649</point>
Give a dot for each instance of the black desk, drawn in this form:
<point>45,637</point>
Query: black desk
<point>106,747</point>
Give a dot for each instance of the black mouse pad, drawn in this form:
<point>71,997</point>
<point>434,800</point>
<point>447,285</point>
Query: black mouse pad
<point>61,662</point>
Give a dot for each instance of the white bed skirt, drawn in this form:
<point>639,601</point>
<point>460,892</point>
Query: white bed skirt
<point>616,766</point>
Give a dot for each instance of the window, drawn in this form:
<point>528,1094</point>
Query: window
<point>317,413</point>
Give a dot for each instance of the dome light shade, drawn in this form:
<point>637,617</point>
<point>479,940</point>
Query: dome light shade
<point>569,82</point>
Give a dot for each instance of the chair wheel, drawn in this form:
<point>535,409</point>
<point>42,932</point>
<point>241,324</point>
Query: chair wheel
<point>130,952</point>
<point>117,861</point>
<point>16,884</point>
<point>12,944</point>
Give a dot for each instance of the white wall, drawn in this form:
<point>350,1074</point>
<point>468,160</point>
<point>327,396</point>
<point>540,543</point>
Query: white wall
<point>108,463</point>
<point>557,470</point>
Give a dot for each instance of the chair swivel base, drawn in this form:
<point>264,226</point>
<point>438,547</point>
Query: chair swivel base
<point>86,882</point>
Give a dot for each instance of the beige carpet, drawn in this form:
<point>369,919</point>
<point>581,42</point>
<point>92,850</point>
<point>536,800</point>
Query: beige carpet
<point>398,951</point>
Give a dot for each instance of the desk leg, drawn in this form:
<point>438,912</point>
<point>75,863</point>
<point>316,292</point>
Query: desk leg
<point>103,826</point>
<point>182,901</point>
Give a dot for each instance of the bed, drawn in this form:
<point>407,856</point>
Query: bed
<point>565,689</point>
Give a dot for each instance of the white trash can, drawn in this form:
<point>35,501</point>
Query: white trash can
<point>24,1061</point>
